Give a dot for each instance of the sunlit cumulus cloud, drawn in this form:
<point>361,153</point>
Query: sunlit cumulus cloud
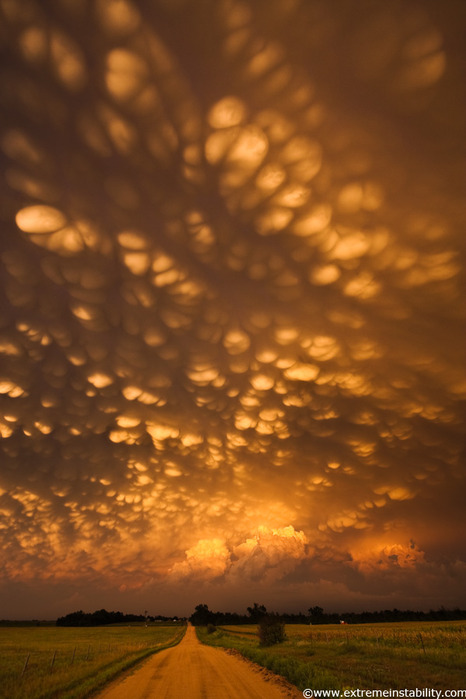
<point>390,557</point>
<point>208,559</point>
<point>231,317</point>
<point>269,553</point>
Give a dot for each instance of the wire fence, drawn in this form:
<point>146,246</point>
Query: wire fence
<point>58,658</point>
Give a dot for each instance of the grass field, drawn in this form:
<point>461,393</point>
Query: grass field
<point>367,656</point>
<point>71,663</point>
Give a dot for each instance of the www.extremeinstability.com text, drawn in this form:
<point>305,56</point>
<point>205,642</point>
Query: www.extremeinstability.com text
<point>424,693</point>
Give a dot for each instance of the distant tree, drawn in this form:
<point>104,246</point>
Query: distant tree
<point>316,614</point>
<point>257,612</point>
<point>202,616</point>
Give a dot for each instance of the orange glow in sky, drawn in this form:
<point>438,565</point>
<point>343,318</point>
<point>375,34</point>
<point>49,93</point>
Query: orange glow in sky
<point>231,319</point>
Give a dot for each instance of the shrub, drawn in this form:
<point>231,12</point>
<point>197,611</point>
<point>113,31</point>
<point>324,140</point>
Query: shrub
<point>211,628</point>
<point>271,630</point>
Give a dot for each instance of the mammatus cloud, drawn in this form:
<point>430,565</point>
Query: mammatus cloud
<point>231,317</point>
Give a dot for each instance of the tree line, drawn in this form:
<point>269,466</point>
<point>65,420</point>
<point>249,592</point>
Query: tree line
<point>202,616</point>
<point>102,617</point>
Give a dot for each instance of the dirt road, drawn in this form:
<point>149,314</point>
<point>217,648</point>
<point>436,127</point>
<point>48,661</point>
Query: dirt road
<point>191,670</point>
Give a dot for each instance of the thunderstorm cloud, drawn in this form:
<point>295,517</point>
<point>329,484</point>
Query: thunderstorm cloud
<point>232,356</point>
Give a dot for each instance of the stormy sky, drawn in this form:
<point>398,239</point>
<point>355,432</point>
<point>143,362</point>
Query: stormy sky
<point>232,357</point>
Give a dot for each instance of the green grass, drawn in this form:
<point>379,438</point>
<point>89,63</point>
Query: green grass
<point>85,658</point>
<point>365,656</point>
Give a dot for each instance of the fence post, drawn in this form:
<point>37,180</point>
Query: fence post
<point>74,653</point>
<point>88,651</point>
<point>422,643</point>
<point>25,665</point>
<point>53,660</point>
